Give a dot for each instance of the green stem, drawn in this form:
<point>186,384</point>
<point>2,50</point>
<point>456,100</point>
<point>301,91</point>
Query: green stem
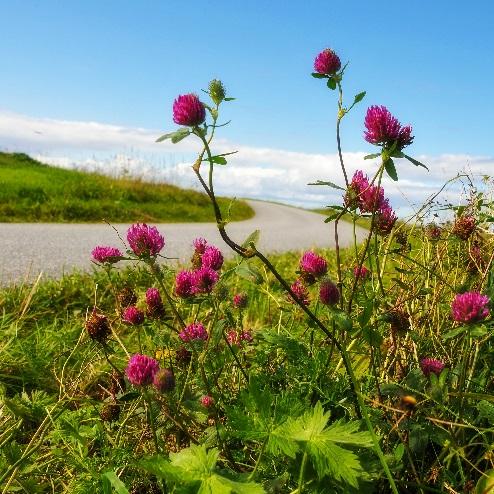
<point>301,474</point>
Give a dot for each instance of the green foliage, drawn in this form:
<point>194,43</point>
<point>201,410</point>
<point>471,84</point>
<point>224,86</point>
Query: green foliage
<point>31,191</point>
<point>194,470</point>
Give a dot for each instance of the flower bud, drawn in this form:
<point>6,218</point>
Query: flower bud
<point>217,91</point>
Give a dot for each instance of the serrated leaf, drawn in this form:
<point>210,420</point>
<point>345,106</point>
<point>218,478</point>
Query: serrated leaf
<point>329,184</point>
<point>389,166</point>
<point>415,162</point>
<point>359,97</point>
<point>111,479</point>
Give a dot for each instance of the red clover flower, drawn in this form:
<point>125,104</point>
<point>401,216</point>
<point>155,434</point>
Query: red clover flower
<point>108,255</point>
<point>164,380</point>
<point>145,240</point>
<point>431,366</point>
<point>212,258</point>
<point>141,370</point>
<point>240,301</point>
<point>300,291</point>
<point>133,316</point>
<point>204,280</point>
<point>188,110</point>
<point>154,303</point>
<point>470,307</point>
<point>329,293</point>
<point>383,129</point>
<point>327,62</point>
<point>195,331</point>
<point>312,265</point>
<point>184,284</point>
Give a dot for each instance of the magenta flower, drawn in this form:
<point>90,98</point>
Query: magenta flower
<point>300,291</point>
<point>359,183</point>
<point>361,273</point>
<point>204,280</point>
<point>464,226</point>
<point>145,240</point>
<point>193,332</point>
<point>431,366</point>
<point>164,380</point>
<point>184,284</point>
<point>108,255</point>
<point>233,337</point>
<point>141,370</point>
<point>188,110</point>
<point>327,62</point>
<point>470,307</point>
<point>329,293</point>
<point>385,219</point>
<point>383,129</point>
<point>246,336</point>
<point>200,245</point>
<point>313,264</point>
<point>154,303</point>
<point>240,301</point>
<point>212,258</point>
<point>207,401</point>
<point>133,316</point>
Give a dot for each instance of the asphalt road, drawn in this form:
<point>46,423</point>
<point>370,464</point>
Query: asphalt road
<point>26,249</point>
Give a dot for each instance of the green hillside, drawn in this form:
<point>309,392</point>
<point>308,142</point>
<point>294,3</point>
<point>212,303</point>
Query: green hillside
<point>31,191</point>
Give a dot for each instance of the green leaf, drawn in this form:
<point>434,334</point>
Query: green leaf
<point>329,184</point>
<point>253,238</point>
<point>342,319</point>
<point>331,83</point>
<point>316,75</point>
<point>179,135</point>
<point>195,465</point>
<point>454,332</point>
<point>372,156</point>
<point>332,217</point>
<point>415,162</point>
<point>229,99</point>
<point>248,271</point>
<point>110,479</point>
<point>176,136</point>
<point>321,444</point>
<point>485,484</point>
<point>219,160</point>
<point>390,169</point>
<point>359,97</point>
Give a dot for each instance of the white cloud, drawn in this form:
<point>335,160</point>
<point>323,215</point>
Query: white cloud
<point>256,172</point>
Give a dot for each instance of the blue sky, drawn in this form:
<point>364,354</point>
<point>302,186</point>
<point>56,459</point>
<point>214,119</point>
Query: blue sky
<point>123,63</point>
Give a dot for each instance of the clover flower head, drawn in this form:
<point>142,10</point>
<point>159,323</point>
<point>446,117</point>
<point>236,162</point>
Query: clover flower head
<point>383,129</point>
<point>431,366</point>
<point>141,370</point>
<point>313,264</point>
<point>164,380</point>
<point>385,219</point>
<point>329,293</point>
<point>184,284</point>
<point>327,62</point>
<point>361,273</point>
<point>188,110</point>
<point>470,307</point>
<point>145,240</point>
<point>204,280</point>
<point>212,258</point>
<point>300,291</point>
<point>207,401</point>
<point>106,255</point>
<point>193,332</point>
<point>154,303</point>
<point>240,301</point>
<point>133,316</point>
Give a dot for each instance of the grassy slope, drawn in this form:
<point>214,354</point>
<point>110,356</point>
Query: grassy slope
<point>31,191</point>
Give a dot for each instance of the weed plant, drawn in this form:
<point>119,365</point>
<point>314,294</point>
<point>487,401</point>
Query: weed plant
<point>360,370</point>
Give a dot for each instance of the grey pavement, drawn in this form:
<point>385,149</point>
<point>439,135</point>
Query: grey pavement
<point>28,249</point>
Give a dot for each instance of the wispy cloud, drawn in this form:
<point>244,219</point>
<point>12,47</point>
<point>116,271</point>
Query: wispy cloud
<point>256,172</point>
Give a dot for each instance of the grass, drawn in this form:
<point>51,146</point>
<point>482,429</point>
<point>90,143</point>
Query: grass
<point>33,192</point>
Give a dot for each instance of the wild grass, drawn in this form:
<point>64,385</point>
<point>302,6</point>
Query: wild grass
<point>33,192</point>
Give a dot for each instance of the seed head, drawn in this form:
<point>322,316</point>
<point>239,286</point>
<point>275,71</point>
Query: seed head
<point>97,326</point>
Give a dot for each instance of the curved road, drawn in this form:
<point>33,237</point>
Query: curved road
<point>53,248</point>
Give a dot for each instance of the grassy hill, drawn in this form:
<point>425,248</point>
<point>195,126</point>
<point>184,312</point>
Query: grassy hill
<point>31,191</point>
